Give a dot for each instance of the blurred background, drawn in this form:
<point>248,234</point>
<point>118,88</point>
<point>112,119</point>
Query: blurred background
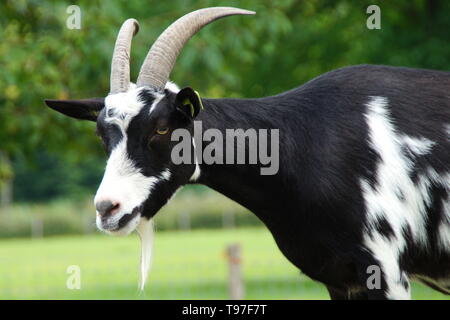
<point>50,166</point>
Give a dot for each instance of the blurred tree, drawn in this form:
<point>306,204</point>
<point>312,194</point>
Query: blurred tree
<point>287,43</point>
<point>59,180</point>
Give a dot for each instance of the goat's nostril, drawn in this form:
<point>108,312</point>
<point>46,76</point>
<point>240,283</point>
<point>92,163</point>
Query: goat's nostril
<point>106,207</point>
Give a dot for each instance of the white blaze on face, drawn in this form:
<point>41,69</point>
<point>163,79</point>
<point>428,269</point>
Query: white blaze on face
<point>125,184</point>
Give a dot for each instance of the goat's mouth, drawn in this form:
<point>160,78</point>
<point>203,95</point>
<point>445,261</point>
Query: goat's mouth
<point>125,225</point>
<point>126,219</point>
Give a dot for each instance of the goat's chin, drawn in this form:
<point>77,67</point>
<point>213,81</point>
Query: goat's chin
<point>126,229</point>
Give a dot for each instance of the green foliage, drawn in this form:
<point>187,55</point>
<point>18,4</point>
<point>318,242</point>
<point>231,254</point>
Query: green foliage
<point>6,170</point>
<point>284,45</point>
<point>62,178</point>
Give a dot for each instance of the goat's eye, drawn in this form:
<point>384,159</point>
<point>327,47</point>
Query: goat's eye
<point>162,131</point>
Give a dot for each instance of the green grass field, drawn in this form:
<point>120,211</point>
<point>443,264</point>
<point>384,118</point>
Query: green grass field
<point>186,265</point>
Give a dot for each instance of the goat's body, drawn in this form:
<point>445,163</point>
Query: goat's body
<point>364,176</point>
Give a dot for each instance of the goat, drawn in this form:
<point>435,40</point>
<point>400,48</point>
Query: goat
<point>364,172</point>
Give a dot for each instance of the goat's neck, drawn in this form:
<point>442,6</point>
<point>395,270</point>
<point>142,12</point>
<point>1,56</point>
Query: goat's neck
<point>240,182</point>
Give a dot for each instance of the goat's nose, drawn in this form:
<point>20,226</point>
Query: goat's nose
<point>106,207</point>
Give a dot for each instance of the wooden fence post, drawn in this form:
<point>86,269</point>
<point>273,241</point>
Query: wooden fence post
<point>184,220</point>
<point>228,219</point>
<point>37,228</point>
<point>235,283</point>
<point>88,224</point>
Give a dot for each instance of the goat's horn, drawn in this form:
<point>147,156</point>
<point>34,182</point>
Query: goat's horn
<point>120,64</point>
<point>158,64</point>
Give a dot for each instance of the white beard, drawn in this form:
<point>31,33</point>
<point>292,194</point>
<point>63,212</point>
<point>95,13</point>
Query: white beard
<point>146,232</point>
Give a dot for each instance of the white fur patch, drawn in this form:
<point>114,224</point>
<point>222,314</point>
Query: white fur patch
<point>122,107</point>
<point>158,97</point>
<point>171,86</point>
<point>383,200</point>
<point>166,174</point>
<point>196,173</point>
<point>418,146</point>
<point>387,254</point>
<point>393,177</point>
<point>444,228</point>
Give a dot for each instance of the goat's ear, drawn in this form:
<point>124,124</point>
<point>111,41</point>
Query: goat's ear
<point>84,109</point>
<point>189,102</point>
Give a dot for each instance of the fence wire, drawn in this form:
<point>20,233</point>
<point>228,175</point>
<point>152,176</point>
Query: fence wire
<point>186,265</point>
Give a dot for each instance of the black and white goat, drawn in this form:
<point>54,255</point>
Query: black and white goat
<point>364,172</point>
